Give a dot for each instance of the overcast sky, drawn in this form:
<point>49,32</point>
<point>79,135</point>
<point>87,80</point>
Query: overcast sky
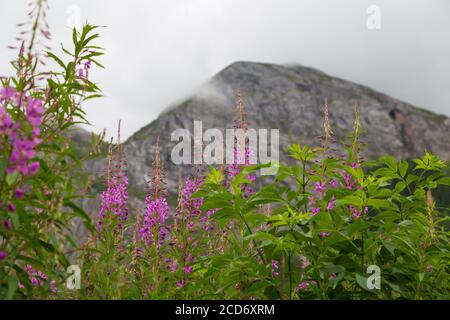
<point>160,51</point>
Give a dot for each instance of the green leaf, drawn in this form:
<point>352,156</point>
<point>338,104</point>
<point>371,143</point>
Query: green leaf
<point>12,287</point>
<point>444,181</point>
<point>12,178</point>
<point>58,60</point>
<point>403,167</point>
<point>362,282</point>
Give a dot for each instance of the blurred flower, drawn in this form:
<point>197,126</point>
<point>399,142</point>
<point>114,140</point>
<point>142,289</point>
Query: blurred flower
<point>187,269</point>
<point>20,193</point>
<point>275,268</point>
<point>333,184</point>
<point>320,187</point>
<point>332,203</point>
<point>315,211</point>
<point>7,224</point>
<point>3,255</point>
<point>11,207</point>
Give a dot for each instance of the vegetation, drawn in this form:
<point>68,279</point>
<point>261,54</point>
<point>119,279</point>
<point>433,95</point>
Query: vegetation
<point>319,230</point>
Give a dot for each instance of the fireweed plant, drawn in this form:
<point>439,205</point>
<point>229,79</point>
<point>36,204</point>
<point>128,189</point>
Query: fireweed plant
<point>316,240</point>
<point>312,232</point>
<point>41,174</point>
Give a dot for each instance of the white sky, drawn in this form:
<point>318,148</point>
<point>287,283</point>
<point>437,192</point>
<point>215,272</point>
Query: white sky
<point>160,51</point>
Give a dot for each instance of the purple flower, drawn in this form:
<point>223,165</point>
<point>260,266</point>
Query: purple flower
<point>180,284</point>
<point>306,284</point>
<point>332,203</point>
<point>324,234</point>
<point>7,224</point>
<point>275,268</point>
<point>187,269</point>
<point>320,187</point>
<point>357,214</point>
<point>114,200</point>
<point>53,288</point>
<point>11,207</point>
<point>315,211</point>
<point>87,65</point>
<point>3,255</point>
<point>155,217</point>
<point>311,201</point>
<point>19,193</point>
<point>333,184</point>
<point>23,144</point>
<point>354,165</point>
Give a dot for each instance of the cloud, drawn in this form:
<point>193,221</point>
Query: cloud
<point>161,50</point>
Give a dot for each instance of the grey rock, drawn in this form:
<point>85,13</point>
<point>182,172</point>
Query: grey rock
<point>289,98</point>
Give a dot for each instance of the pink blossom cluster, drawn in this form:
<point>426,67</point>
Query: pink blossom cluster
<point>114,200</point>
<point>314,201</point>
<point>275,268</point>
<point>240,158</point>
<point>37,278</point>
<point>84,70</point>
<point>306,284</point>
<point>155,216</point>
<point>358,213</point>
<point>23,144</point>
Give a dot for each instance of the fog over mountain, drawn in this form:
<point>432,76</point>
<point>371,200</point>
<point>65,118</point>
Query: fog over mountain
<point>161,50</point>
<point>288,98</point>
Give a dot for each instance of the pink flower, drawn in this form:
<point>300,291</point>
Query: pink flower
<point>11,207</point>
<point>275,268</point>
<point>315,211</point>
<point>331,204</point>
<point>53,288</point>
<point>19,193</point>
<point>320,187</point>
<point>311,201</point>
<point>306,284</point>
<point>357,214</point>
<point>324,234</point>
<point>114,200</point>
<point>3,255</point>
<point>180,284</point>
<point>333,184</point>
<point>187,269</point>
<point>7,224</point>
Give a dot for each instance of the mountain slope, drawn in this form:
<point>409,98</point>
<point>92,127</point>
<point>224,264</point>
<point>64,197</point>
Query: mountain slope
<point>289,98</point>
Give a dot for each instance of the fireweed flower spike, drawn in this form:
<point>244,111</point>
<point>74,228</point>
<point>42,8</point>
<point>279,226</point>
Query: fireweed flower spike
<point>157,209</point>
<point>115,199</point>
<point>235,167</point>
<point>23,140</point>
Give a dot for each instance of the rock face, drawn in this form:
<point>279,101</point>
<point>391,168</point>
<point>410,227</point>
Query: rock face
<point>288,98</point>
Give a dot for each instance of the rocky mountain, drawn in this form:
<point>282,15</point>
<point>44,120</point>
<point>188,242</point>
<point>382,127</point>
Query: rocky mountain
<point>290,98</point>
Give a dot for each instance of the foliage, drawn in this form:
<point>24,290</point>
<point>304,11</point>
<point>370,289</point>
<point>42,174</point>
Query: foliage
<point>41,175</point>
<point>314,232</point>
